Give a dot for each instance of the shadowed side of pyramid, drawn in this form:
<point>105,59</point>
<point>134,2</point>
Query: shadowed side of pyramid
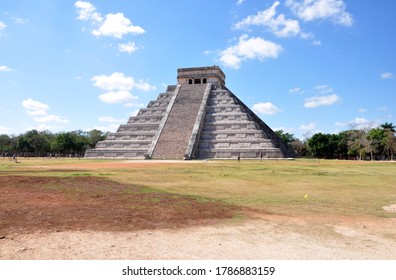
<point>198,118</point>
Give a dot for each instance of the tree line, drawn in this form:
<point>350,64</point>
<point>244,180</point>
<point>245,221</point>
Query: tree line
<point>361,144</point>
<point>35,143</point>
<point>368,143</point>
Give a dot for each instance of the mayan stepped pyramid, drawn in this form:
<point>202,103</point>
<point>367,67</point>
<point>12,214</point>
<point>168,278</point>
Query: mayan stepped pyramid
<point>197,118</point>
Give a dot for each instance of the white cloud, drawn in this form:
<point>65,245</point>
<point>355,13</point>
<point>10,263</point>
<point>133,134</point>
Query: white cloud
<point>266,108</point>
<point>310,126</point>
<point>15,18</point>
<point>318,101</point>
<point>296,90</point>
<point>309,10</point>
<point>51,119</point>
<point>32,105</point>
<point>279,25</point>
<point>86,11</point>
<point>323,89</point>
<point>117,97</point>
<point>357,123</point>
<point>4,130</point>
<point>4,68</point>
<point>308,129</point>
<point>362,110</point>
<point>117,25</point>
<point>316,43</point>
<point>249,48</point>
<point>112,25</point>
<point>118,81</point>
<point>382,109</point>
<point>144,86</point>
<point>118,86</point>
<point>2,26</point>
<point>361,123</point>
<point>129,47</point>
<point>38,111</point>
<point>387,75</point>
<point>340,124</point>
<point>111,120</point>
<point>239,2</point>
<point>19,20</point>
<point>134,104</point>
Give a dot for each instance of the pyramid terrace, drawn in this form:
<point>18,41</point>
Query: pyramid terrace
<point>199,118</point>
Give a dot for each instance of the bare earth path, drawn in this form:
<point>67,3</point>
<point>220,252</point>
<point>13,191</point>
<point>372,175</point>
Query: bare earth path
<point>255,239</point>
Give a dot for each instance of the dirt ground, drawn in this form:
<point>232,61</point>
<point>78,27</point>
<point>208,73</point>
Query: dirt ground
<point>88,217</point>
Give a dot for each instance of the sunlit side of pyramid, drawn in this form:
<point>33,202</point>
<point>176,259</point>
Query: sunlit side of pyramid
<point>198,118</point>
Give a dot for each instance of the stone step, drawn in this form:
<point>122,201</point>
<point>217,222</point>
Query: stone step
<point>145,119</point>
<point>226,108</point>
<point>226,117</point>
<point>233,135</point>
<point>235,145</point>
<point>165,95</point>
<point>177,131</point>
<point>151,111</point>
<point>120,144</point>
<point>115,153</point>
<point>230,126</point>
<point>242,153</point>
<point>223,101</point>
<point>131,135</point>
<point>138,127</point>
<point>158,104</point>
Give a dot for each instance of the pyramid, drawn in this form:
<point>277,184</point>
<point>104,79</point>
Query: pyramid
<point>197,118</point>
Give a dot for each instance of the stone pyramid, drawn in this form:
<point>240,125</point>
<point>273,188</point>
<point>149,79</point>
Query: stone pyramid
<point>197,118</point>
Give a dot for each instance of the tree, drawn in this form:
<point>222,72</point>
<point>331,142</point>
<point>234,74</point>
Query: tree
<point>323,145</point>
<point>71,143</point>
<point>34,143</point>
<point>342,145</point>
<point>65,143</point>
<point>285,136</point>
<point>357,143</point>
<point>390,144</point>
<point>7,145</point>
<point>388,126</point>
<point>375,139</point>
<point>389,140</point>
<point>300,147</point>
<point>94,136</point>
<point>43,143</point>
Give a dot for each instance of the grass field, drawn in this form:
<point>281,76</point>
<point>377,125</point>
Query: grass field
<point>300,187</point>
<point>112,209</point>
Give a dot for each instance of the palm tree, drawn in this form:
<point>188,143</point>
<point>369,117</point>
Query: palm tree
<point>390,139</point>
<point>388,126</point>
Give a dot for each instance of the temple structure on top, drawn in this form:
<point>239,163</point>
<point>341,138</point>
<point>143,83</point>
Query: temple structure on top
<point>197,118</point>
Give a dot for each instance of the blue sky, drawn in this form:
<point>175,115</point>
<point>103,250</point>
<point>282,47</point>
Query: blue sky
<point>304,66</point>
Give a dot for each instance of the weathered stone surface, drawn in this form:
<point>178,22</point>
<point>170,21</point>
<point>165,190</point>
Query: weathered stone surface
<point>198,118</point>
<point>178,129</point>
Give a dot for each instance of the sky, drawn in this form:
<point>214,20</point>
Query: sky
<point>303,66</point>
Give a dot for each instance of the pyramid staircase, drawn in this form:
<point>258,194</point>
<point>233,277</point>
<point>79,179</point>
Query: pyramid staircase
<point>133,140</point>
<point>198,118</point>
